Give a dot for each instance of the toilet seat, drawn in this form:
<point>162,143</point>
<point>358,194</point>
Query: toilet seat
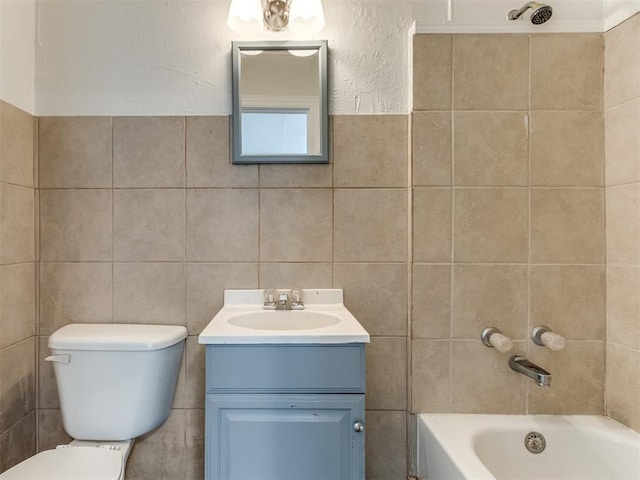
<point>71,463</point>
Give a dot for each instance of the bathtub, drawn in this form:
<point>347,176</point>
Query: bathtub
<point>578,447</point>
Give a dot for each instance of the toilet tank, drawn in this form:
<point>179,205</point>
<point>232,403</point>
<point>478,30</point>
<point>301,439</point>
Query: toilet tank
<point>115,382</point>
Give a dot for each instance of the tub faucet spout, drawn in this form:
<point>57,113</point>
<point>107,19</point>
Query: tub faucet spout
<point>521,365</point>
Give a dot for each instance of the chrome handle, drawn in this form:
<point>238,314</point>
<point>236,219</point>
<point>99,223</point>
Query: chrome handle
<point>358,427</point>
<point>65,359</point>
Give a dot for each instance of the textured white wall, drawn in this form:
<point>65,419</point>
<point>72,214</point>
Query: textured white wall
<point>17,52</point>
<point>152,57</point>
<point>156,58</point>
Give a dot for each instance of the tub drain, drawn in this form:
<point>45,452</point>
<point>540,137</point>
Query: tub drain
<point>535,442</point>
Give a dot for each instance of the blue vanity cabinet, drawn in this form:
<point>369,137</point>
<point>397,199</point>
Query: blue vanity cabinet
<point>279,412</point>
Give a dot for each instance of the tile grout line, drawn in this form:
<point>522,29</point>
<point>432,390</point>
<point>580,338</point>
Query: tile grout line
<point>113,283</point>
<point>525,385</point>
<point>452,214</point>
<point>184,236</point>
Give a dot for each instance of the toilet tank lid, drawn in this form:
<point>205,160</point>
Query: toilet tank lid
<point>116,337</point>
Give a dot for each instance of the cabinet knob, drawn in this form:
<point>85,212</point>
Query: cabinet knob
<point>358,427</point>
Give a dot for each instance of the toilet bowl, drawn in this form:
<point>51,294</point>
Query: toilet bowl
<point>115,383</point>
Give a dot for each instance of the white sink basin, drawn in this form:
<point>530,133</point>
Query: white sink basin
<point>283,320</point>
<point>242,320</point>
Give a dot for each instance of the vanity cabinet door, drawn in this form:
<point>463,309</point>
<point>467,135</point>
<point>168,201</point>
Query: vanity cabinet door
<point>282,437</point>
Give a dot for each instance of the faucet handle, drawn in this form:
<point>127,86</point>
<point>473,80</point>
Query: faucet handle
<point>543,336</point>
<point>492,337</point>
<point>296,295</point>
<point>270,299</point>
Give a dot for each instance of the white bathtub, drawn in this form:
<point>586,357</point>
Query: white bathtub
<point>578,447</point>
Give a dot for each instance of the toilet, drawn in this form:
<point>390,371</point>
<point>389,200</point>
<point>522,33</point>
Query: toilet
<point>115,383</point>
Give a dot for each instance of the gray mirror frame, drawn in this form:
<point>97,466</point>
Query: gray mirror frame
<point>323,156</point>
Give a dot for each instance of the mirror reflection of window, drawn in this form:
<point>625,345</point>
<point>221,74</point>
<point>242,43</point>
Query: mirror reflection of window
<point>280,102</point>
<point>274,131</point>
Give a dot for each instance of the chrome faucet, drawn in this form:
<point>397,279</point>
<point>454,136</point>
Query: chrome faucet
<point>275,300</point>
<point>519,364</point>
<point>283,302</point>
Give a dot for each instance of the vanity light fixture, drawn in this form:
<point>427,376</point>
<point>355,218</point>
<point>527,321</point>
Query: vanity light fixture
<point>298,16</point>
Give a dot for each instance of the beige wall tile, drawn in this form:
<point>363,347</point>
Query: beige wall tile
<point>297,275</point>
<point>17,229</point>
<point>17,132</point>
<point>623,385</point>
<point>74,293</point>
<point>622,143</point>
<point>623,224</point>
<point>430,379</point>
<point>47,387</point>
<point>222,225</point>
<point>370,225</point>
<point>300,176</point>
<point>296,225</point>
<point>17,303</point>
<point>160,454</point>
<point>567,226</point>
<point>50,430</point>
<point>570,300</point>
<point>18,443</point>
<point>206,283</point>
<point>432,72</point>
<point>148,152</point>
<point>370,150</point>
<point>577,379</point>
<point>622,68</point>
<point>491,72</point>
<point>431,309</point>
<point>17,390</point>
<point>431,148</point>
<point>75,225</point>
<point>194,355</point>
<point>623,305</point>
<point>180,393</point>
<point>431,224</point>
<point>194,444</point>
<point>491,225</point>
<point>36,222</point>
<point>566,72</point>
<point>478,372</point>
<point>376,295</point>
<point>36,163</point>
<point>491,148</point>
<point>149,225</point>
<point>152,293</point>
<point>490,296</point>
<point>74,152</point>
<point>387,373</point>
<point>208,156</point>
<point>386,445</point>
<point>567,149</point>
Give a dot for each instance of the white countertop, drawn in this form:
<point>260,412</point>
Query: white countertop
<point>321,301</point>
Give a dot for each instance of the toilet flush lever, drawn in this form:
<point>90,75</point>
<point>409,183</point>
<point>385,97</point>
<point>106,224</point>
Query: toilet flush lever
<point>66,359</point>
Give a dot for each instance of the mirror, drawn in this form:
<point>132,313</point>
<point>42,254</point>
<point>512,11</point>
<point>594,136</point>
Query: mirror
<point>280,102</point>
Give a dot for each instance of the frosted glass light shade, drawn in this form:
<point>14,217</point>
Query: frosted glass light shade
<point>306,16</point>
<point>245,16</point>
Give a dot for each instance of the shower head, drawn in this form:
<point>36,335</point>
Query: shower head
<point>541,12</point>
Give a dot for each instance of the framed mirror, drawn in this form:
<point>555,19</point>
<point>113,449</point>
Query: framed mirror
<point>280,102</point>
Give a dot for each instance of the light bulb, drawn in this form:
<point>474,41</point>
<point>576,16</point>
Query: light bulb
<point>307,16</point>
<point>245,15</point>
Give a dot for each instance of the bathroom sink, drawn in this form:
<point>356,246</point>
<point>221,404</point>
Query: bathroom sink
<point>283,320</point>
<point>243,320</point>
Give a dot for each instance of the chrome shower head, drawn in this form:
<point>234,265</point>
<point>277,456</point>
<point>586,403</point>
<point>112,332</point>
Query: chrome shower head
<point>541,12</point>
